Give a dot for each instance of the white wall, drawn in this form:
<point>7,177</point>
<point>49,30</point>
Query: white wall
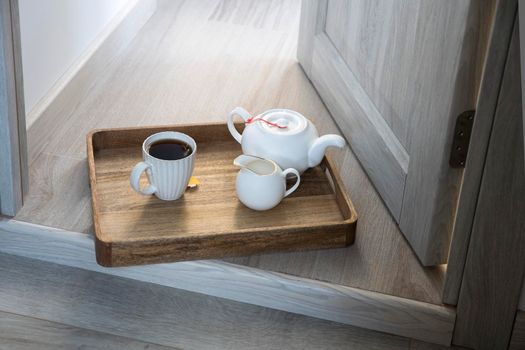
<point>54,35</point>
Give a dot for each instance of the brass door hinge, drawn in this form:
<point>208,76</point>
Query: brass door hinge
<point>461,139</point>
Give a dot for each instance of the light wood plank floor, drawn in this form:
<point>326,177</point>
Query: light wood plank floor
<point>49,306</point>
<point>27,333</point>
<point>194,61</point>
<point>20,332</point>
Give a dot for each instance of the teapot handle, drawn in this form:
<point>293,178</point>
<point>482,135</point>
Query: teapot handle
<point>241,112</point>
<point>294,187</point>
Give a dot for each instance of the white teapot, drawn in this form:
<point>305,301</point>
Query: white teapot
<point>284,136</point>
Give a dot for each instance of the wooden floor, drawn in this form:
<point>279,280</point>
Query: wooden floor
<point>49,306</point>
<point>194,61</point>
<point>19,332</point>
<point>27,333</point>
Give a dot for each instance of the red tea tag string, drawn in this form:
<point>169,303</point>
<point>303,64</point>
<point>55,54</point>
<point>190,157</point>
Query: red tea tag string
<point>254,119</point>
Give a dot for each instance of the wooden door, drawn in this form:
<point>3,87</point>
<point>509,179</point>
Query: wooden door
<point>395,75</point>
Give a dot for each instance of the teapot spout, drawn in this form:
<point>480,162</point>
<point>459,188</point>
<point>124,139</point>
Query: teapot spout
<point>318,148</point>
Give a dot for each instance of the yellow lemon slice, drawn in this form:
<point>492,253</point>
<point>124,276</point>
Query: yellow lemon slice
<point>194,182</point>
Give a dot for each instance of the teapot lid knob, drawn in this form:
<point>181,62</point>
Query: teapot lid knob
<point>289,122</point>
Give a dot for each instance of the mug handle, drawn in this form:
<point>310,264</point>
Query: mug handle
<point>134,179</point>
<point>244,114</point>
<point>294,187</point>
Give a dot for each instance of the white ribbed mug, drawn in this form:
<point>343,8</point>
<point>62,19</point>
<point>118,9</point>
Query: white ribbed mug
<point>168,179</point>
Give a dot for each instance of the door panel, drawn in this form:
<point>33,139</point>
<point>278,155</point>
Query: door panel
<point>378,149</point>
<point>394,75</point>
<point>377,41</point>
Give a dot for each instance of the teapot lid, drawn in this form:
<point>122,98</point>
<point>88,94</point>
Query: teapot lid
<point>289,122</point>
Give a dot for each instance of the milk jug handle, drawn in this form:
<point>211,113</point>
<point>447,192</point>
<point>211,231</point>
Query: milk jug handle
<point>297,182</point>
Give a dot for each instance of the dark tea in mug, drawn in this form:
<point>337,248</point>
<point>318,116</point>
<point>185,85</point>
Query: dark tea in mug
<point>170,149</point>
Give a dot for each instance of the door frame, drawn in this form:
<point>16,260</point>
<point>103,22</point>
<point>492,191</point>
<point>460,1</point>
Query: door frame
<point>495,264</point>
<point>521,14</point>
<point>483,122</point>
<point>13,147</point>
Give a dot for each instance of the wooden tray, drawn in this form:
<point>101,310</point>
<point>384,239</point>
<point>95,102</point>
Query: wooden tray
<point>207,222</point>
